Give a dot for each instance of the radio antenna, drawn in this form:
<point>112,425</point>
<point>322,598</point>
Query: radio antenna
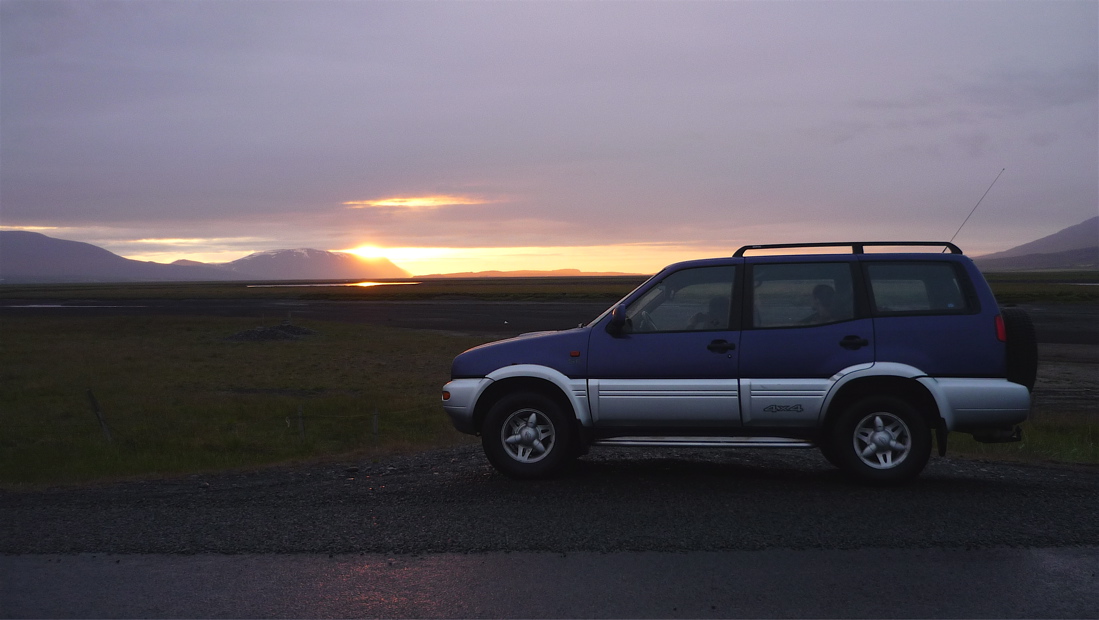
<point>972,211</point>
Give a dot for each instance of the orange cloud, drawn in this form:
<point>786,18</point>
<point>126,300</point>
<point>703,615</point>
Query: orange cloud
<point>416,202</point>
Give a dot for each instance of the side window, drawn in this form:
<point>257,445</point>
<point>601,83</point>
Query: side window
<point>801,294</point>
<point>918,287</point>
<point>688,300</point>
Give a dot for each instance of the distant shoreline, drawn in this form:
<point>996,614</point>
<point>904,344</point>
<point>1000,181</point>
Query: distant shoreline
<point>528,273</point>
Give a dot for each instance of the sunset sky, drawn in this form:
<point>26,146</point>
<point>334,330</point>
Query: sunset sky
<point>603,136</point>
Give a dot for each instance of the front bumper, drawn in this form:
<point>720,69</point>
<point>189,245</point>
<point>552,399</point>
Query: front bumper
<point>462,403</point>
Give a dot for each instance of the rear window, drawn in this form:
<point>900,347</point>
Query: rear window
<point>917,288</point>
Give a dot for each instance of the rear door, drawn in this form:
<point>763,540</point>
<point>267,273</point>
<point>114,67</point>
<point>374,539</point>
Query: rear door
<point>806,320</point>
<point>927,315</point>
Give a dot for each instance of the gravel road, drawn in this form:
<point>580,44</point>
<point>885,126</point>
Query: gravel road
<point>614,500</point>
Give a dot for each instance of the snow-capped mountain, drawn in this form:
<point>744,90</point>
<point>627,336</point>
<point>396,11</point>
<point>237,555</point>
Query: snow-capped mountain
<point>310,264</point>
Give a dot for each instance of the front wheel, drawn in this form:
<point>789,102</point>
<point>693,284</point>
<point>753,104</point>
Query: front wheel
<point>526,435</point>
<point>881,439</point>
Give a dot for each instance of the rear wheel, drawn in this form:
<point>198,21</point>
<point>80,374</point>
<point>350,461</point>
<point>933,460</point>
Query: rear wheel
<point>527,435</point>
<point>881,439</point>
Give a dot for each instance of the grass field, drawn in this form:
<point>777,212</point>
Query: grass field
<point>178,397</point>
<point>1010,288</point>
<point>605,288</point>
<point>1066,436</point>
<point>1045,286</point>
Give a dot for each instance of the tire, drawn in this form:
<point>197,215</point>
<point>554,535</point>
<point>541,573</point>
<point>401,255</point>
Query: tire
<point>527,435</point>
<point>1022,347</point>
<point>881,439</point>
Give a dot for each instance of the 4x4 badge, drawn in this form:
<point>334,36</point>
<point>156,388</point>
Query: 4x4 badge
<point>777,408</point>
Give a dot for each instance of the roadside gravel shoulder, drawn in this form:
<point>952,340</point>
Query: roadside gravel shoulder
<point>614,500</point>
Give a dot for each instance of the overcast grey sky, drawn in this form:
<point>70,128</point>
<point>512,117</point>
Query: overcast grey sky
<point>609,135</point>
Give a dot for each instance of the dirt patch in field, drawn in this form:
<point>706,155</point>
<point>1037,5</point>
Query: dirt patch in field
<point>266,334</point>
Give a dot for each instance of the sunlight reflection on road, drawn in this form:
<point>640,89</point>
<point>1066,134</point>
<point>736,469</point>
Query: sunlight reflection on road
<point>1008,583</point>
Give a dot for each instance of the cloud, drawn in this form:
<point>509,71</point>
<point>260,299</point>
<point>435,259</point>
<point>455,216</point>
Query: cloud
<point>994,94</point>
<point>191,241</point>
<point>1019,91</point>
<point>336,124</point>
<point>974,144</point>
<point>30,228</point>
<point>415,202</point>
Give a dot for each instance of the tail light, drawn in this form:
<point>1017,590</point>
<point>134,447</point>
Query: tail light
<point>1001,329</point>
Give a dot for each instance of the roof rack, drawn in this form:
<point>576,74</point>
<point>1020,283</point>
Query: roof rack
<point>856,246</point>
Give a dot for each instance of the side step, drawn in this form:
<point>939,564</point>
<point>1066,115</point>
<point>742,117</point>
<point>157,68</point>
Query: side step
<point>706,442</point>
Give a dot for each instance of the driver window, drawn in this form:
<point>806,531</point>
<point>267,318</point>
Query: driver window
<point>689,300</point>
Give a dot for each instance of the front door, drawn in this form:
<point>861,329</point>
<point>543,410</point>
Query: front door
<point>675,362</point>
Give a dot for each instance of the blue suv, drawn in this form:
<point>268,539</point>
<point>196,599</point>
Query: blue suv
<point>863,355</point>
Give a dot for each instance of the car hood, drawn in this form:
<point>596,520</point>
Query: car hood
<point>564,351</point>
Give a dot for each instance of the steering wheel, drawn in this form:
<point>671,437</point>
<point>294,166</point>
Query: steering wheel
<point>646,323</point>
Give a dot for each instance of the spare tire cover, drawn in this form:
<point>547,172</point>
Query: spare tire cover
<point>1022,347</point>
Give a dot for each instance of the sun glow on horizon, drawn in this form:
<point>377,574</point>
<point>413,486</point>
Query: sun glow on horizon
<point>399,255</point>
<point>631,258</point>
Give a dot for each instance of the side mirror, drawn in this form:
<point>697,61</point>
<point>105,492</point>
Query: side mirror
<point>618,320</point>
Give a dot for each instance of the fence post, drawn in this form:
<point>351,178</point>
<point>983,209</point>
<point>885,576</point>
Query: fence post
<point>99,416</point>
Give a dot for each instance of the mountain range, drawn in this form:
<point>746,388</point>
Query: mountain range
<point>27,257</point>
<point>33,257</point>
<point>1075,247</point>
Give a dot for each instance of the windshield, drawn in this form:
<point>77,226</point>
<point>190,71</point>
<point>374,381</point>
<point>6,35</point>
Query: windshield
<point>620,301</point>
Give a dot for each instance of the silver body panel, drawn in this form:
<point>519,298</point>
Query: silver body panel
<point>979,403</point>
<point>671,401</point>
<point>464,393</point>
<point>462,402</point>
<point>783,402</point>
<point>964,404</point>
<point>706,442</point>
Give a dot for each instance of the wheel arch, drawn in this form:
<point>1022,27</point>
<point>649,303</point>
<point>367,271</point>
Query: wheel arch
<point>532,378</point>
<point>908,388</point>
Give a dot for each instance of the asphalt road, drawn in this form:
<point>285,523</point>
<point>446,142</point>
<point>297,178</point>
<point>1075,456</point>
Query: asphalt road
<point>452,501</point>
<point>626,533</point>
<point>1055,323</point>
<point>873,583</point>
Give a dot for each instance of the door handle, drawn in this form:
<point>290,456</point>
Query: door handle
<point>854,342</point>
<point>721,346</point>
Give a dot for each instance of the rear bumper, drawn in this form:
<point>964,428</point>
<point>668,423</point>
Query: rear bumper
<point>969,405</point>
